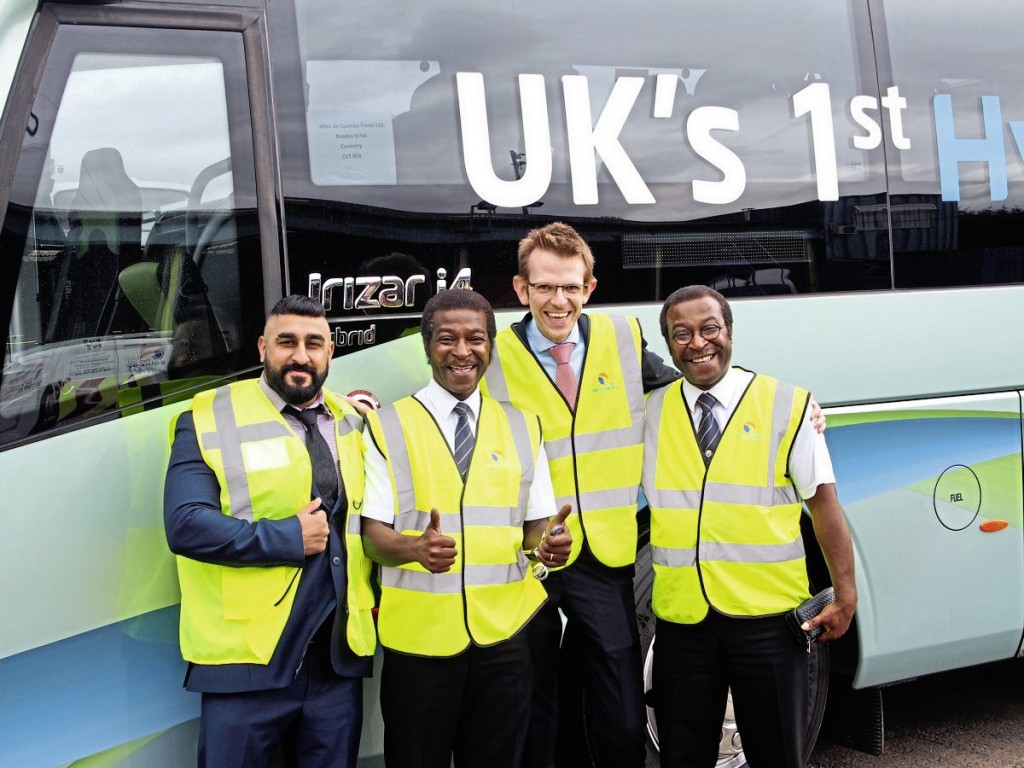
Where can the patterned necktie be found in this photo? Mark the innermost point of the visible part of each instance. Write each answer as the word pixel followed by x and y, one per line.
pixel 464 439
pixel 565 377
pixel 708 433
pixel 325 475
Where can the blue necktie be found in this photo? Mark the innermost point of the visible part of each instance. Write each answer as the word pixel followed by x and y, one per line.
pixel 464 439
pixel 708 433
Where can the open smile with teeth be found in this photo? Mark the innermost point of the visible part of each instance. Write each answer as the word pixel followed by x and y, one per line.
pixel 462 370
pixel 702 359
pixel 557 315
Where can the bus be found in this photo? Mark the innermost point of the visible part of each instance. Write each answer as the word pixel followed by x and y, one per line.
pixel 849 173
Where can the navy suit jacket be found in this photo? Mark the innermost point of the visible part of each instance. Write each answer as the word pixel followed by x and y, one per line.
pixel 197 528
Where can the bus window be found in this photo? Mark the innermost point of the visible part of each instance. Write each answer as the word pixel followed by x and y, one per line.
pixel 683 152
pixel 960 164
pixel 128 286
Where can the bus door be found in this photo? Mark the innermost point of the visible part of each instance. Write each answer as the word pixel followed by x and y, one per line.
pixel 135 225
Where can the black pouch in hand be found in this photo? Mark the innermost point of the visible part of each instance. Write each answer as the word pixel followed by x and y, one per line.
pixel 808 609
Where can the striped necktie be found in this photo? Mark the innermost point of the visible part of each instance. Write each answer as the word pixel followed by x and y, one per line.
pixel 464 439
pixel 708 433
pixel 565 377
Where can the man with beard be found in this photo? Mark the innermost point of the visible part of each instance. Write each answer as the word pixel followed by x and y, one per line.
pixel 276 603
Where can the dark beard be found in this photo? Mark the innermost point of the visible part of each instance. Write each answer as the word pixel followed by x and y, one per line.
pixel 291 394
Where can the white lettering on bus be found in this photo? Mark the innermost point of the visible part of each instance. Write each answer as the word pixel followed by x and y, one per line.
pixel 591 143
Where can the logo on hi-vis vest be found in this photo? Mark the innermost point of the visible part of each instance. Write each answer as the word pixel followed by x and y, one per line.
pixel 749 431
pixel 605 383
pixel 496 463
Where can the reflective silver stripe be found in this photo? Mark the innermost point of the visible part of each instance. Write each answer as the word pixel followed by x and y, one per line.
pixel 417 519
pixel 558 449
pixel 355 525
pixel 417 581
pixel 351 423
pixel 228 437
pixel 521 439
pixel 752 553
pixel 632 374
pixel 493 516
pixel 588 442
pixel 782 407
pixel 570 499
pixel 401 469
pixel 494 575
pixel 667 499
pixel 728 553
pixel 608 499
pixel 726 493
pixel 675 558
pixel 655 405
pixel 451 583
pixel 723 493
pixel 497 387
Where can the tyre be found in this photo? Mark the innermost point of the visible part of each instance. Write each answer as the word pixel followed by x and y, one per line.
pixel 731 746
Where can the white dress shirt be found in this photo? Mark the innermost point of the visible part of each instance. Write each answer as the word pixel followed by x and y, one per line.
pixel 810 464
pixel 378 496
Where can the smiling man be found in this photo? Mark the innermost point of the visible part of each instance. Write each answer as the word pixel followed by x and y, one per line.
pixel 728 457
pixel 457 493
pixel 585 376
pixel 260 503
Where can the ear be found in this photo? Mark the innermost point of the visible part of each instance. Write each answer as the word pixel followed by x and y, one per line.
pixel 589 289
pixel 522 289
pixel 261 345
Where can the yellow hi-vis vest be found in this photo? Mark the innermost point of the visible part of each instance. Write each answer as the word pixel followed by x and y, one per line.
pixel 232 615
pixel 595 453
pixel 727 536
pixel 490 592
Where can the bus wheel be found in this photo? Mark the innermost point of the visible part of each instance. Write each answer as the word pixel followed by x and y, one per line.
pixel 730 750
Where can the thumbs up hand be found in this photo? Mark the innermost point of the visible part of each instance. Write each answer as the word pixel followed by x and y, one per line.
pixel 556 543
pixel 435 551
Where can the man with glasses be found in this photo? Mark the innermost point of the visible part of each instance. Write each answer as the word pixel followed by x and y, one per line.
pixel 728 456
pixel 585 376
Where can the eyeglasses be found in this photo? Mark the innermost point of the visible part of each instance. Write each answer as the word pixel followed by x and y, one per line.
pixel 684 336
pixel 547 289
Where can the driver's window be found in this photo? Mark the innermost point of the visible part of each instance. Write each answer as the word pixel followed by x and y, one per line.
pixel 129 280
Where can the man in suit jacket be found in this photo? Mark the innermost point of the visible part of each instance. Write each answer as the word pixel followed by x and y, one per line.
pixel 276 624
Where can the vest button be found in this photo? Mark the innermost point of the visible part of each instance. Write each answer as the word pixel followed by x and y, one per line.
pixel 335 561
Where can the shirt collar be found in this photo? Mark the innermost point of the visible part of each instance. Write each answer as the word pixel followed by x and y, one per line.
pixel 725 391
pixel 279 402
pixel 540 343
pixel 444 401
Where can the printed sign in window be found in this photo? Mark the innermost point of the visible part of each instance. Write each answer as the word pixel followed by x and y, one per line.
pixel 349 124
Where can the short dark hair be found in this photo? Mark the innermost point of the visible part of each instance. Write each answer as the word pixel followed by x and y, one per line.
pixel 455 298
pixel 689 293
pixel 297 304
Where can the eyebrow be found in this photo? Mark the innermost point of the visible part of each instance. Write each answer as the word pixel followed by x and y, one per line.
pixel 287 335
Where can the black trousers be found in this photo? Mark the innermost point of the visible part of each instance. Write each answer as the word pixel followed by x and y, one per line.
pixel 314 722
pixel 473 706
pixel 695 665
pixel 596 662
